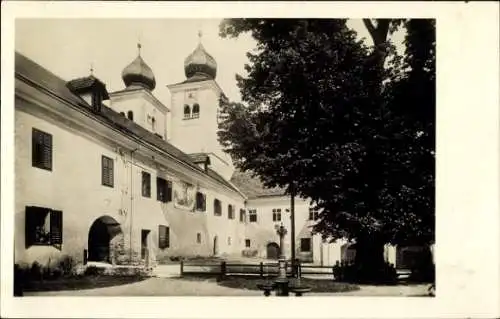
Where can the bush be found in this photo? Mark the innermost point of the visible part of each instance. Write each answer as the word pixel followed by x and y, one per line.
pixel 36 272
pixel 66 265
pixel 349 272
pixel 91 271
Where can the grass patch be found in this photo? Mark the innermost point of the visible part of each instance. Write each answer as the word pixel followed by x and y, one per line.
pixel 80 282
pixel 250 283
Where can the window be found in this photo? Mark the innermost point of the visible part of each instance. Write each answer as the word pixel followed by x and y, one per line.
pixel 163 190
pixel 230 212
pixel 217 207
pixel 107 175
pixel 43 227
pixel 198 238
pixel 153 123
pixel 41 152
pixel 247 243
pixel 122 114
pixel 163 237
pixel 201 202
pixel 252 215
pixel 130 115
pixel 187 111
pixel 146 184
pixel 313 214
pixel 229 241
pixel 196 111
pixel 305 244
pixel 276 214
pixel 242 215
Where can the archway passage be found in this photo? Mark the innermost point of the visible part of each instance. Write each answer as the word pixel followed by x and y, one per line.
pixel 101 233
pixel 273 251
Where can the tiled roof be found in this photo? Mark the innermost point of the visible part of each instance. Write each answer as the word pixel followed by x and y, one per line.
pixel 30 70
pixel 82 84
pixel 252 187
pixel 199 157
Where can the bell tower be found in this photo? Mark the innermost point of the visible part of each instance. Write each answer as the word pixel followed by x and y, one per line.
pixel 195 111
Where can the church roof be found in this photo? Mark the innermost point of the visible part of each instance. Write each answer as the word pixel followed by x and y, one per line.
pixel 138 74
pixel 45 80
pixel 252 187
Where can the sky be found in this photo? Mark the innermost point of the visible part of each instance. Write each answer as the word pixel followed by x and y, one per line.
pixel 70 47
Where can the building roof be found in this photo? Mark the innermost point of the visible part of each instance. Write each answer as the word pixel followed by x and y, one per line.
pixel 46 80
pixel 252 187
pixel 86 84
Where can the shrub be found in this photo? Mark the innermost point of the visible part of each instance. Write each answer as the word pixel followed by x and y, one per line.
pixel 36 272
pixel 91 271
pixel 66 265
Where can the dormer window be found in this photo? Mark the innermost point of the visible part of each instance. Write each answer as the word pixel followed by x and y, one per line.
pixel 196 111
pixel 187 112
pixel 90 89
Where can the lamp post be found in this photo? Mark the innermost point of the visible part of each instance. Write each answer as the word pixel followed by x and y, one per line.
pixel 292 226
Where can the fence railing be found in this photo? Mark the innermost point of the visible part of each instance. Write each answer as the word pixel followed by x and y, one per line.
pixel 261 269
pixel 258 269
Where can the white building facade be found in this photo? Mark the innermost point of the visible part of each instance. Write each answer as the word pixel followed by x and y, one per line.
pixel 129 183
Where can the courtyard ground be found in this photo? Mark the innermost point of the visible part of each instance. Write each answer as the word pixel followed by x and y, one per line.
pixel 161 286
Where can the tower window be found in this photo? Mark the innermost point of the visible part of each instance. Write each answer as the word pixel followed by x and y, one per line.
pixel 187 111
pixel 196 111
pixel 130 115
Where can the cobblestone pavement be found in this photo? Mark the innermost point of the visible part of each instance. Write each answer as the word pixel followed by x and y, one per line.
pixel 174 287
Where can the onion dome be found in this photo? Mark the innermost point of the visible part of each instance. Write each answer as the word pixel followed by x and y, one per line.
pixel 200 64
pixel 138 74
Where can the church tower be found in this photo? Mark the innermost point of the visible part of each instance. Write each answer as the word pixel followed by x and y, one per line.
pixel 137 102
pixel 195 111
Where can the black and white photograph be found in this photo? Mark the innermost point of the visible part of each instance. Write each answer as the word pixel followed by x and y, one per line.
pixel 225 156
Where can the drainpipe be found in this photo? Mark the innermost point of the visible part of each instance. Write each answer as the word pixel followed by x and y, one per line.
pixel 131 200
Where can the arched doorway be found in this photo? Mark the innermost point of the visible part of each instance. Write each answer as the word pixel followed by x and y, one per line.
pixel 101 234
pixel 216 246
pixel 348 253
pixel 273 251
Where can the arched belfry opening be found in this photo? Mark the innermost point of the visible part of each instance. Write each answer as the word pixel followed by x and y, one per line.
pixel 105 237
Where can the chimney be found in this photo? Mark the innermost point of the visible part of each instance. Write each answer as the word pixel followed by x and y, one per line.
pixel 90 89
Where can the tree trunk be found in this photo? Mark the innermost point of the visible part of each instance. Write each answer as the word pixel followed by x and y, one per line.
pixel 369 261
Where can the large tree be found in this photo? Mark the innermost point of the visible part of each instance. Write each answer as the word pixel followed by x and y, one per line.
pixel 323 115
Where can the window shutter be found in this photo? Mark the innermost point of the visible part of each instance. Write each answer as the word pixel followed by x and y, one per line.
pixel 30 225
pixel 47 151
pixel 169 191
pixel 56 231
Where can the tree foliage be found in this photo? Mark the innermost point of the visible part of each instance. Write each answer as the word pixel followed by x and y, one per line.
pixel 323 114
